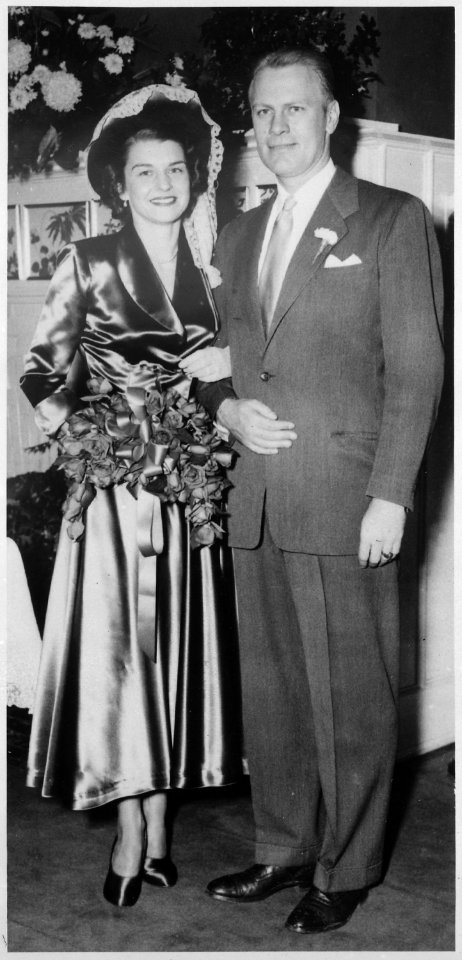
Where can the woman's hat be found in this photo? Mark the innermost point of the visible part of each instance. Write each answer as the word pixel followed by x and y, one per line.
pixel 201 226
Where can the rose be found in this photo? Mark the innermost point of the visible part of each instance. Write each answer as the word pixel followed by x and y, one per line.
pixel 172 419
pixel 73 468
pixel 102 473
pixel 78 426
pixel 194 476
pixel 119 403
pixel 223 457
pixel 97 446
pixel 71 446
pixel 204 535
pixel 75 530
pixel 212 467
pixel 174 484
pixel 98 385
pixel 199 512
pixel 199 419
pixel 154 402
pixel 72 508
pixel 82 492
pixel 161 436
pixel 187 407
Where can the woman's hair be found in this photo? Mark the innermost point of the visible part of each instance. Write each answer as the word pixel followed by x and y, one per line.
pixel 161 120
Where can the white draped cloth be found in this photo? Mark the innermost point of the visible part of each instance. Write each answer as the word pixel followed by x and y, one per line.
pixel 23 638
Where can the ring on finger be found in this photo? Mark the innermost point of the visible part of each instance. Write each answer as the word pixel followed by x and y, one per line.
pixel 387 556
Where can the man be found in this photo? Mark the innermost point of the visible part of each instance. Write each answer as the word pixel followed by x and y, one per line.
pixel 331 308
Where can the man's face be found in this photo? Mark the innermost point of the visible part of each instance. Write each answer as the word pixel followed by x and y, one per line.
pixel 292 122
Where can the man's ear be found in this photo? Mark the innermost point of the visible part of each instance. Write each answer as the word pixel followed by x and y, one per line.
pixel 332 116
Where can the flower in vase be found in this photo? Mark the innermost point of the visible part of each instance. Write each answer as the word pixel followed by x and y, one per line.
pixel 113 63
pixel 62 91
pixel 19 56
pixel 125 44
pixel 87 31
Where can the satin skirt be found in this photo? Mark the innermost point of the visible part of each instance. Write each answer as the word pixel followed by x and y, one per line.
pixel 108 721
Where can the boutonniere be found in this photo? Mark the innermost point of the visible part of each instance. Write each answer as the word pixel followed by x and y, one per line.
pixel 327 237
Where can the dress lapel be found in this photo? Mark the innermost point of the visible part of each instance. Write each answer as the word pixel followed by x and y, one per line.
pixel 336 204
pixel 142 282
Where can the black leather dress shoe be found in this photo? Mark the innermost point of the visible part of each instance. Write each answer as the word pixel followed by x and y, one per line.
pixel 319 911
pixel 258 882
pixel 121 891
pixel 160 872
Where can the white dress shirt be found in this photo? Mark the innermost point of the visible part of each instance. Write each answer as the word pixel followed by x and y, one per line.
pixel 307 197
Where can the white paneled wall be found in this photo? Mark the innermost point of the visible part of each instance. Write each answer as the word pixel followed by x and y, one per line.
pixel 422 166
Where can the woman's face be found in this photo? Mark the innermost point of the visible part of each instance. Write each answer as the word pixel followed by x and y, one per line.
pixel 156 181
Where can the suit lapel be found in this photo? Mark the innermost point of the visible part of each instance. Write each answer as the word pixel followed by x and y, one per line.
pixel 336 204
pixel 142 282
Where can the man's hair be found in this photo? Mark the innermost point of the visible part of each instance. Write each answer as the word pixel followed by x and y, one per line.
pixel 308 57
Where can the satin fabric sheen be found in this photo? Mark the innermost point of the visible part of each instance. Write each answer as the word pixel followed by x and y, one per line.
pixel 108 721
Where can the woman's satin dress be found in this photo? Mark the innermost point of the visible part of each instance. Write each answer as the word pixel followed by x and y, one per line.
pixel 108 721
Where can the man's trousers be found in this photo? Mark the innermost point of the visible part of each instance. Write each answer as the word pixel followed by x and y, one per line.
pixel 319 641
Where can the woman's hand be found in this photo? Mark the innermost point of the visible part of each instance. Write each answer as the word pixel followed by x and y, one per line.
pixel 208 364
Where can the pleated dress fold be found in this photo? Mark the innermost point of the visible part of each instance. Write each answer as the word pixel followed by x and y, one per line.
pixel 108 721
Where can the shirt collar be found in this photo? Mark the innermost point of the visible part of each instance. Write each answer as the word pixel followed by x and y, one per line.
pixel 313 187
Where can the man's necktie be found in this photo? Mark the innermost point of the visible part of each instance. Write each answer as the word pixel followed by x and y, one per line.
pixel 274 267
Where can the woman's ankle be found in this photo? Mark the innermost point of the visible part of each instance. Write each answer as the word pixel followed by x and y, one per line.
pixel 154 810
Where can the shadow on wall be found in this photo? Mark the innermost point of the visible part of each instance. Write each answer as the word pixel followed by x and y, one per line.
pixel 344 143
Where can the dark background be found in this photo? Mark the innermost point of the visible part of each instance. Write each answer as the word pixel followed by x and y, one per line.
pixel 415 64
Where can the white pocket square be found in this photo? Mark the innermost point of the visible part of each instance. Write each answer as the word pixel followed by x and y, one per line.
pixel 333 261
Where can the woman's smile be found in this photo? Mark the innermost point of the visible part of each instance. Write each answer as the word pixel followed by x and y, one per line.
pixel 156 181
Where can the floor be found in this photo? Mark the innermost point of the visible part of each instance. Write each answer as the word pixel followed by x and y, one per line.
pixel 57 861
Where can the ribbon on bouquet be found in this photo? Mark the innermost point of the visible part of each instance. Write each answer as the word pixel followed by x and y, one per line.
pixel 154 460
pixel 142 450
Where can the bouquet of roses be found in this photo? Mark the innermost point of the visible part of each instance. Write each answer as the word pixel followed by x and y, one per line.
pixel 151 439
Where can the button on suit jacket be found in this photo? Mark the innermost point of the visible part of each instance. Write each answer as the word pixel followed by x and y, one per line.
pixel 354 358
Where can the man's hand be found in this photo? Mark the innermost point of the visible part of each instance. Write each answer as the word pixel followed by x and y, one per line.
pixel 382 530
pixel 255 425
pixel 209 364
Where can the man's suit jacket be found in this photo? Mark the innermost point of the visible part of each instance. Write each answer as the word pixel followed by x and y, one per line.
pixel 353 357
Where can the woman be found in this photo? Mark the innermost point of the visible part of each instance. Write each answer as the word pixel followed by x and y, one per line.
pixel 109 723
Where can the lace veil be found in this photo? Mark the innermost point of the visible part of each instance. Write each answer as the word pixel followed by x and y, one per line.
pixel 201 226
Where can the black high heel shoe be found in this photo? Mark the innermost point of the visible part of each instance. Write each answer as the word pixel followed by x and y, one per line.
pixel 122 891
pixel 160 872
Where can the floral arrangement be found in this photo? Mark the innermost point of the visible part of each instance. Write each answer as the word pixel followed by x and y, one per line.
pixel 153 440
pixel 233 42
pixel 67 66
pixel 64 71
